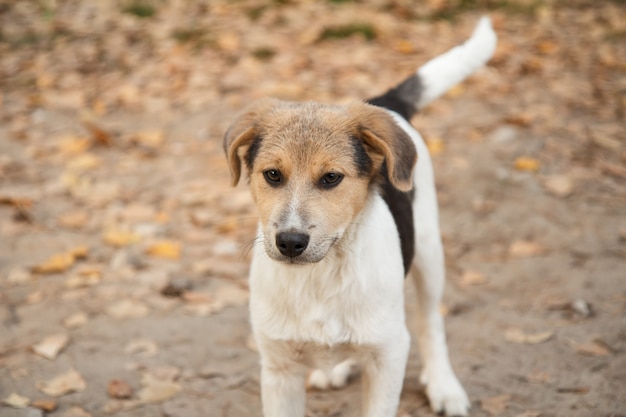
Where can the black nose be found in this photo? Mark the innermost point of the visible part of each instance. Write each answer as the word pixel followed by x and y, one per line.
pixel 292 244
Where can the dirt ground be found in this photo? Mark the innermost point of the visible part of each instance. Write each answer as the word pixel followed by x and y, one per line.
pixel 124 252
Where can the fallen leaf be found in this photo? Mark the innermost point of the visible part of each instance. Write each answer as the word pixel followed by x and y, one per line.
pixel 519 336
pixel 435 145
pixel 120 389
pixel 524 163
pixel 472 278
pixel 559 185
pixel 127 309
pixel 45 404
pixel 55 264
pixel 98 134
pixel 51 346
pixel 573 390
pixel 75 320
pixel 148 138
pixel 76 411
pixel 525 248
pixel 79 252
pixel 495 405
pixel 68 382
pixel 16 401
pixel 119 238
pixel 594 348
pixel 72 145
pixel 156 391
pixel 165 249
pixel 73 219
pixel 84 162
pixel 143 347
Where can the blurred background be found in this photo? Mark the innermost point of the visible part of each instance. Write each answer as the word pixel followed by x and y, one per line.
pixel 124 251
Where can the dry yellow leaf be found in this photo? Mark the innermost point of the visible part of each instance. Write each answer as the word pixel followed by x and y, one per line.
pixel 84 162
pixel 148 138
pixel 495 405
pixel 525 163
pixel 519 336
pixel 70 381
pixel 72 145
pixel 56 263
pixel 165 249
pixel 79 252
pixel 120 238
pixel 594 348
pixel 405 47
pixel 435 145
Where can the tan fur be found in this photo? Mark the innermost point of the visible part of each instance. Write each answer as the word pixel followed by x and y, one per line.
pixel 305 141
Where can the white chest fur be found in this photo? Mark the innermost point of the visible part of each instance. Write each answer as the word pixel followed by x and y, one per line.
pixel 352 296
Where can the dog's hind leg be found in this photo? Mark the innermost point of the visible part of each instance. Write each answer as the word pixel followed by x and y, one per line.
pixel 444 391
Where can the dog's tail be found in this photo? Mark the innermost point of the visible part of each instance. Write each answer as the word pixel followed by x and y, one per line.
pixel 441 73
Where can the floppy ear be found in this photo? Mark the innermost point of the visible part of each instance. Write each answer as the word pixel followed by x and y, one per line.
pixel 388 142
pixel 242 134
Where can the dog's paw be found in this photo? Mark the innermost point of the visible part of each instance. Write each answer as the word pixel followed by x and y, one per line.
pixel 445 394
pixel 318 379
pixel 342 372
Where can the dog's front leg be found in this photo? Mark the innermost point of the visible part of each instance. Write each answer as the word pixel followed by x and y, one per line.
pixel 383 376
pixel 282 381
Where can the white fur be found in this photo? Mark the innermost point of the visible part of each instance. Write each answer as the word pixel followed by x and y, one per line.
pixel 349 306
pixel 446 70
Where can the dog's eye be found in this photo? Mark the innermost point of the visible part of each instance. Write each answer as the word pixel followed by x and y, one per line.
pixel 330 180
pixel 273 176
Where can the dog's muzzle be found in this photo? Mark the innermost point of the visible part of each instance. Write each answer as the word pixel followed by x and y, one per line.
pixel 292 244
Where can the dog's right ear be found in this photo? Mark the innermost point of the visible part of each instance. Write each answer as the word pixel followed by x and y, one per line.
pixel 242 134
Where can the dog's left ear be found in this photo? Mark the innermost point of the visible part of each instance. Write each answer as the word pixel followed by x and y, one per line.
pixel 241 135
pixel 385 139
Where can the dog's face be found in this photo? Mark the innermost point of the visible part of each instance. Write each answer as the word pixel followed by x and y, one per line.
pixel 311 168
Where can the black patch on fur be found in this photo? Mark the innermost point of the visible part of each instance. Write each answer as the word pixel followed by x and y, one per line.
pixel 362 160
pixel 401 208
pixel 253 151
pixel 402 99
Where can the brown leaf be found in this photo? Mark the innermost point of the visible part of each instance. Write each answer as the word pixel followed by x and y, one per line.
pixel 495 405
pixel 73 219
pixel 472 278
pixel 45 404
pixel 594 348
pixel 98 134
pixel 519 336
pixel 120 389
pixel 51 346
pixel 525 248
pixel 68 382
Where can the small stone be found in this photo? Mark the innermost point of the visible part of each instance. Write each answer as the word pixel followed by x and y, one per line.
pixel 176 287
pixel 120 389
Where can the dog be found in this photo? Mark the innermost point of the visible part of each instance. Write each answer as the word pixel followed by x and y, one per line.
pixel 345 213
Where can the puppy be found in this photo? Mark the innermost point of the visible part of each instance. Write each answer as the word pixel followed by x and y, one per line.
pixel 345 213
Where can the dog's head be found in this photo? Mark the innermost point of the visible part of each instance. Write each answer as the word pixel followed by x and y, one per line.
pixel 311 168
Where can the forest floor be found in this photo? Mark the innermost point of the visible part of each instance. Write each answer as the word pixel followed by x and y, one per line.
pixel 124 251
